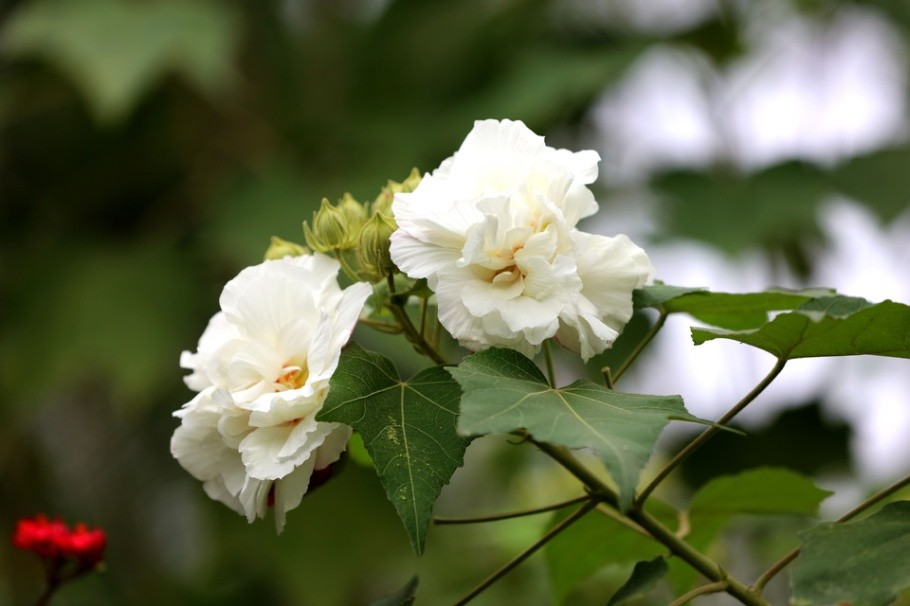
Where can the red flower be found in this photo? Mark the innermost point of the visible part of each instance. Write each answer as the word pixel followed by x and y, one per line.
pixel 53 540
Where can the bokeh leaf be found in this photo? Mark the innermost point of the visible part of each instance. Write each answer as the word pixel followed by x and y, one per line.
pixel 504 391
pixel 864 562
pixel 827 326
pixel 645 577
pixel 115 51
pixel 408 428
pixel 595 541
pixel 403 597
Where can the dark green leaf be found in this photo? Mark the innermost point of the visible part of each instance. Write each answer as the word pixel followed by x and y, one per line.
pixel 504 391
pixel 780 204
pixel 882 329
pixel 408 428
pixel 864 563
pixel 595 541
pixel 403 597
pixel 644 577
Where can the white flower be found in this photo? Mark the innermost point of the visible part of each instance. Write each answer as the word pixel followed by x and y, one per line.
pixel 262 367
pixel 493 232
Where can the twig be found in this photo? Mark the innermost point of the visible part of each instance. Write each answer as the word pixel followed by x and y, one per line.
pixel 514 514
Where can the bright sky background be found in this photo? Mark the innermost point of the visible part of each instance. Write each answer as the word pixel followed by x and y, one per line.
pixel 820 93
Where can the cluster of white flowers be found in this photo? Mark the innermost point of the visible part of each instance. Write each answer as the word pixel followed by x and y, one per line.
pixel 493 230
pixel 262 370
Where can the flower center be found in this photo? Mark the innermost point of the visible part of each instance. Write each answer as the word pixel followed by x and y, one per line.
pixel 293 376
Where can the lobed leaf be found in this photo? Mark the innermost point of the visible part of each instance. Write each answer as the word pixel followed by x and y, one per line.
pixel 863 563
pixel 408 428
pixel 504 391
pixel 827 326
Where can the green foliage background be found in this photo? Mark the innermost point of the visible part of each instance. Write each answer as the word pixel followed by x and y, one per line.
pixel 148 150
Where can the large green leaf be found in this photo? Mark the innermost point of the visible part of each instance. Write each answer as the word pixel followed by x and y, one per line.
pixel 115 51
pixel 760 491
pixel 408 428
pixel 863 563
pixel 504 391
pixel 595 541
pixel 733 311
pixel 827 326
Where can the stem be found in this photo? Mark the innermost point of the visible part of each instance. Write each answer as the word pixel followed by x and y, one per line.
pixel 703 590
pixel 410 332
pixel 782 563
pixel 508 566
pixel 510 515
pixel 548 357
pixel 709 432
pixel 663 535
pixel 641 346
pixel 391 329
pixel 345 266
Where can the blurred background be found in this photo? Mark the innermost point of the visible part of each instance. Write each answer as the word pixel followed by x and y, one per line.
pixel 149 149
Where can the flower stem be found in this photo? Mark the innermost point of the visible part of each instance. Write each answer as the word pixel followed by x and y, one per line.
pixel 661 319
pixel 698 591
pixel 708 433
pixel 513 514
pixel 782 563
pixel 410 331
pixel 663 535
pixel 524 555
pixel 548 358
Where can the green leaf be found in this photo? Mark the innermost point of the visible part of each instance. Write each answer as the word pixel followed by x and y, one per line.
pixel 403 597
pixel 116 51
pixel 595 541
pixel 504 391
pixel 828 326
pixel 644 577
pixel 766 490
pixel 733 311
pixel 408 428
pixel 864 562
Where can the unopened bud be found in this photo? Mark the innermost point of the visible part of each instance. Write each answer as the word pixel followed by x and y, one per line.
pixel 374 245
pixel 330 230
pixel 383 202
pixel 283 248
pixel 354 212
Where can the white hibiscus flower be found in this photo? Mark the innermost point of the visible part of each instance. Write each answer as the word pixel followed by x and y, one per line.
pixel 493 232
pixel 262 367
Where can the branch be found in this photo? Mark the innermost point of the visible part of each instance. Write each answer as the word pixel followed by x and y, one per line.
pixel 709 432
pixel 514 514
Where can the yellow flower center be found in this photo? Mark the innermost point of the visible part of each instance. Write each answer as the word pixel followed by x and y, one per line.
pixel 293 376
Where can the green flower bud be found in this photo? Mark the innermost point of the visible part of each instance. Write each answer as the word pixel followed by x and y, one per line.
pixel 330 230
pixel 383 202
pixel 355 213
pixel 375 258
pixel 283 248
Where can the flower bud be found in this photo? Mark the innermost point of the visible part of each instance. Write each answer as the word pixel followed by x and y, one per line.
pixel 330 230
pixel 355 213
pixel 374 245
pixel 283 248
pixel 383 202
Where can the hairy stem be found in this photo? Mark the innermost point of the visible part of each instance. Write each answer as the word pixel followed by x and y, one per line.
pixel 577 515
pixel 782 563
pixel 640 347
pixel 510 515
pixel 708 433
pixel 700 562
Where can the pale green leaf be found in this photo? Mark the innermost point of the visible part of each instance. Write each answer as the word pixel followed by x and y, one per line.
pixel 408 428
pixel 116 51
pixel 863 563
pixel 827 326
pixel 504 391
